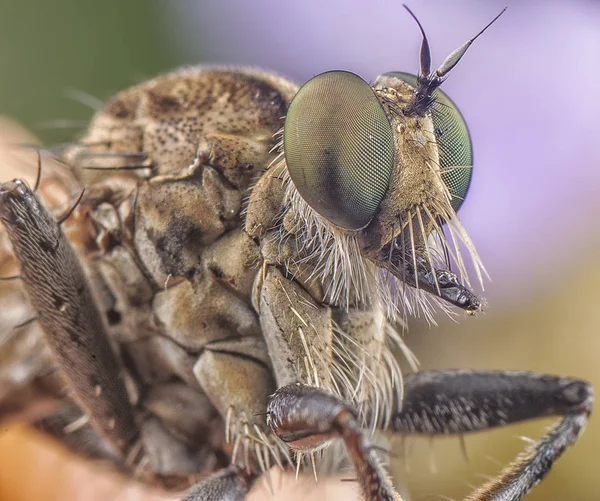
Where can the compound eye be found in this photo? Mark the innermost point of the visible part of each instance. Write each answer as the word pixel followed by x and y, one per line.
pixel 454 142
pixel 339 148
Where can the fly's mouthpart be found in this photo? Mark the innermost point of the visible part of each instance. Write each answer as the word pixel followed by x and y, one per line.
pixel 420 257
pixel 334 257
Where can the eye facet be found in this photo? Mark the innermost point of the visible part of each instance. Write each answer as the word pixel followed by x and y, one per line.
pixel 339 148
pixel 454 142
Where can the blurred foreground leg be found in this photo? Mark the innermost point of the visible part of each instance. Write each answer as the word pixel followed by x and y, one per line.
pixel 58 290
pixel 230 484
pixel 306 418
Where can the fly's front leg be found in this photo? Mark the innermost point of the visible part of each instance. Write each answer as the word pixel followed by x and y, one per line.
pixel 462 401
pixel 299 331
pixel 305 418
pixel 66 311
pixel 302 412
pixel 237 378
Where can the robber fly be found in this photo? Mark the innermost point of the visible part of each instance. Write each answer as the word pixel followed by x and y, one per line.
pixel 223 291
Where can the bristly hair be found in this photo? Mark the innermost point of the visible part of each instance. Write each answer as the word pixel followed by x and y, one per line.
pixel 364 370
pixel 423 98
pixel 332 257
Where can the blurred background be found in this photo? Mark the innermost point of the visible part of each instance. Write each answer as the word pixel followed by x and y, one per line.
pixel 528 89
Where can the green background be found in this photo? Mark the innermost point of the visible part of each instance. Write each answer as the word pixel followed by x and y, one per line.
pixel 50 50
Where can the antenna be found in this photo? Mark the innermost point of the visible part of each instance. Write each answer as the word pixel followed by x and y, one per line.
pixel 452 60
pixel 426 82
pixel 425 55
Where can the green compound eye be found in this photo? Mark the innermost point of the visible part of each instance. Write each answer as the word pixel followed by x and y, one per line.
pixel 454 142
pixel 339 148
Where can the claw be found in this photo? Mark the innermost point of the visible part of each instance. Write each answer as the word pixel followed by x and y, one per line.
pixel 306 418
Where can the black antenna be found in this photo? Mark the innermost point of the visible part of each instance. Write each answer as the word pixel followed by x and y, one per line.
pixel 426 82
pixel 452 60
pixel 425 55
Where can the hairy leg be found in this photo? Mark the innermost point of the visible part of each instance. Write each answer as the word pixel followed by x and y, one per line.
pixel 462 401
pixel 306 417
pixel 66 311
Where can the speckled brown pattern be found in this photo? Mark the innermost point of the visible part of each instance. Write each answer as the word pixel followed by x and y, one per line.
pixel 169 262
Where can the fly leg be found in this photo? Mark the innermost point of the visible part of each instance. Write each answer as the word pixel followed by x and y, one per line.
pixel 299 334
pixel 66 311
pixel 229 484
pixel 237 379
pixel 306 418
pixel 462 401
